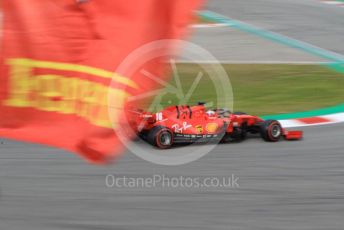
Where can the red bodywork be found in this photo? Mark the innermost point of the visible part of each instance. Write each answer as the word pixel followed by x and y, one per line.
pixel 196 121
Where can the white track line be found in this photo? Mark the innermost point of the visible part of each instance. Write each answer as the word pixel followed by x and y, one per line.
pixel 208 25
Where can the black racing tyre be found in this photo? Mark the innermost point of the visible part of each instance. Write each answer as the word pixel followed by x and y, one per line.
pixel 271 130
pixel 160 137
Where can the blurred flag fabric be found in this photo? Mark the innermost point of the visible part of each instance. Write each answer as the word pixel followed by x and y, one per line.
pixel 58 58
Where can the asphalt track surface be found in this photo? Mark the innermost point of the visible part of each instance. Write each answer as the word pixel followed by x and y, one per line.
pixel 285 185
pixel 230 45
pixel 306 20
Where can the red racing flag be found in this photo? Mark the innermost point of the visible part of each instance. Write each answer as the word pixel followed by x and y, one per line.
pixel 58 59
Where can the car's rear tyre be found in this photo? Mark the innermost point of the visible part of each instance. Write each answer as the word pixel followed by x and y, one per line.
pixel 271 130
pixel 160 137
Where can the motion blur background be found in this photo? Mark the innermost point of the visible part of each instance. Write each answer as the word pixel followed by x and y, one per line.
pixel 287 185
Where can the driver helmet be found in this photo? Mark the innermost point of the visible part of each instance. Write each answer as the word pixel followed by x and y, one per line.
pixel 210 113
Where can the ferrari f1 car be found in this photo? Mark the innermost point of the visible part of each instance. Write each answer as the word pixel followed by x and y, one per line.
pixel 190 124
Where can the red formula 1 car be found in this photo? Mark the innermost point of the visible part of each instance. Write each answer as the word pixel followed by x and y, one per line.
pixel 190 124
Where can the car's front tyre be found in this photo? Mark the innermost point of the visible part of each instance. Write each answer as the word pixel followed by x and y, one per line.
pixel 271 130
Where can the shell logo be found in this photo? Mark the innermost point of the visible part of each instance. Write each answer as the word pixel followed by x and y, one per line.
pixel 211 127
